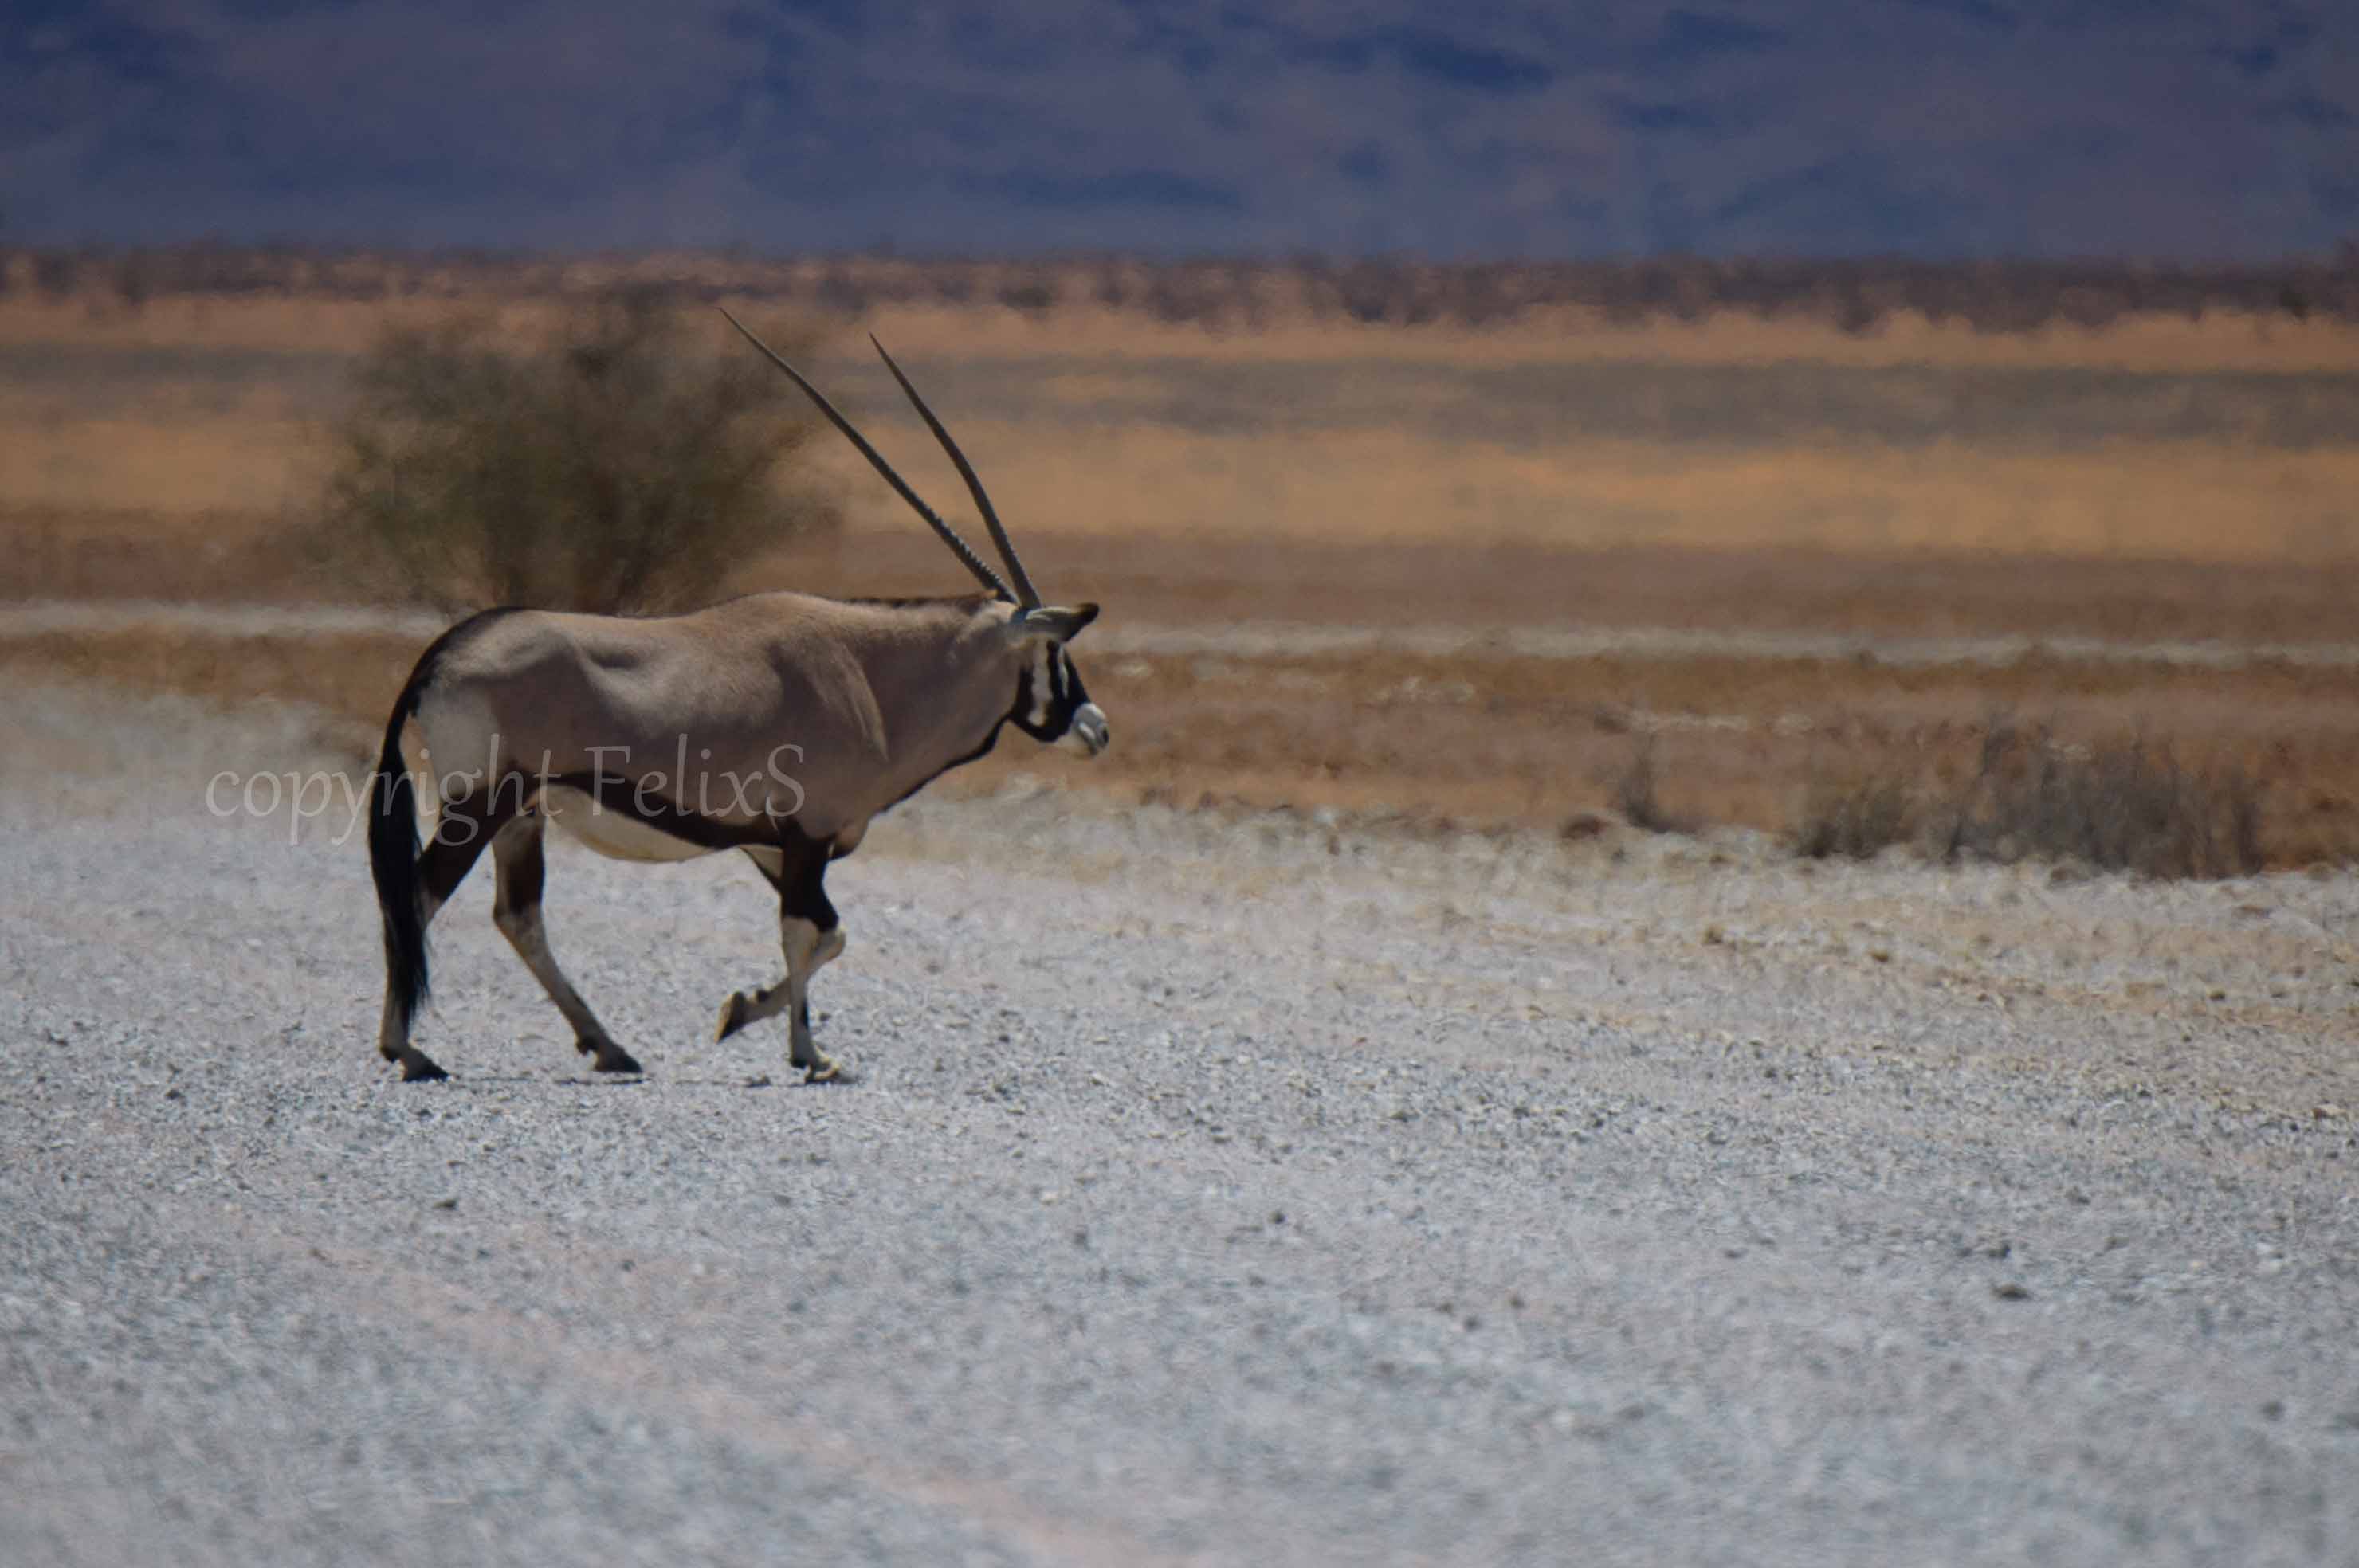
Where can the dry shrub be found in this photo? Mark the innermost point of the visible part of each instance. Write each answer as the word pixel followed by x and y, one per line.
pixel 2123 803
pixel 1857 817
pixel 2120 804
pixel 1634 797
pixel 622 463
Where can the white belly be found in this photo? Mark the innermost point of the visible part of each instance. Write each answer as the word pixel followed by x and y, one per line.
pixel 611 833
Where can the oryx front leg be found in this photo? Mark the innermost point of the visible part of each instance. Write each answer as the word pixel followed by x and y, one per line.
pixel 807 948
pixel 809 937
pixel 744 1009
pixel 517 853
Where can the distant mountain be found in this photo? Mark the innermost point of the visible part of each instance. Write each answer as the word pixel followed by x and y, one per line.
pixel 2172 128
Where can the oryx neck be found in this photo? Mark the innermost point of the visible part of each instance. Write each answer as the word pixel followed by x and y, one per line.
pixel 945 679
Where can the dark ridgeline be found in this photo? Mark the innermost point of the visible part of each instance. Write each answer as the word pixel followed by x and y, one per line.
pixel 1854 294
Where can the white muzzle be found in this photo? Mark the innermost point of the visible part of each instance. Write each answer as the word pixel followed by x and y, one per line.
pixel 1088 728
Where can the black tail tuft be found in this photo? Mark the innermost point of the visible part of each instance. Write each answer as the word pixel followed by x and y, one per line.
pixel 393 859
pixel 393 831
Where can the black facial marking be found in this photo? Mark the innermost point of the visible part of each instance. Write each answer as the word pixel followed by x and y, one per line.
pixel 1066 696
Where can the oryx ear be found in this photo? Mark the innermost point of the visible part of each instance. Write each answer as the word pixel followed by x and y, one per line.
pixel 1056 623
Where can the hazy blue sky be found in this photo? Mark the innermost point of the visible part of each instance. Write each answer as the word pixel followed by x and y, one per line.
pixel 2174 128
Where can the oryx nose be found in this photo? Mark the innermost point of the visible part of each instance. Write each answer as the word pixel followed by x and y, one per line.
pixel 1090 723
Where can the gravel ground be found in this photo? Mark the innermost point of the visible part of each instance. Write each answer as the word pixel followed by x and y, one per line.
pixel 1228 1190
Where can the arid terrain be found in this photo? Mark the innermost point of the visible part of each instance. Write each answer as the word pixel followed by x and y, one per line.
pixel 1217 1187
pixel 1516 563
pixel 1713 934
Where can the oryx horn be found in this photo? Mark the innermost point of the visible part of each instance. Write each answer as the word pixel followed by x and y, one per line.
pixel 959 546
pixel 1028 596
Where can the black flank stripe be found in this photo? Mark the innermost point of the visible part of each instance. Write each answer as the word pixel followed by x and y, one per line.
pixel 623 796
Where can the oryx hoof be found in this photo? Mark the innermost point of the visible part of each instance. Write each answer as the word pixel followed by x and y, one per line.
pixel 605 1056
pixel 826 1070
pixel 733 1017
pixel 417 1067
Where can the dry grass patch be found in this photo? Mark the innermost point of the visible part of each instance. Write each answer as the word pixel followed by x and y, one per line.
pixel 2114 804
pixel 1538 743
pixel 2157 479
pixel 2211 440
pixel 2190 501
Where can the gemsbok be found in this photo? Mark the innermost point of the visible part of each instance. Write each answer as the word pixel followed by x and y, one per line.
pixel 779 724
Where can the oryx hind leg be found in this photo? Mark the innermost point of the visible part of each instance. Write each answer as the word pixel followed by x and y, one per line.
pixel 516 852
pixel 811 937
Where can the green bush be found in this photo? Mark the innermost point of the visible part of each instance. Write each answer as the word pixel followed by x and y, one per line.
pixel 634 458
